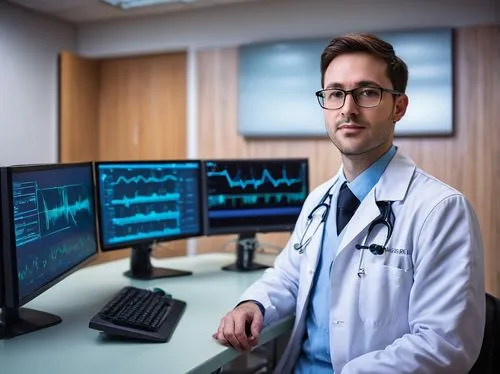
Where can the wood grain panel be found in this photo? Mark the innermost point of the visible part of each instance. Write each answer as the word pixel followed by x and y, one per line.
pixel 78 108
pixel 143 108
pixel 143 115
pixel 468 161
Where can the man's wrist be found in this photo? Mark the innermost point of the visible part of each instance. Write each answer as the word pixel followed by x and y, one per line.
pixel 259 305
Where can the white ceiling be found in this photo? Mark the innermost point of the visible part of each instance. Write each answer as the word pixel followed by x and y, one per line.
pixel 81 11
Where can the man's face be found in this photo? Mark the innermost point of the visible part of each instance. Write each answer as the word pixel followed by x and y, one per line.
pixel 355 130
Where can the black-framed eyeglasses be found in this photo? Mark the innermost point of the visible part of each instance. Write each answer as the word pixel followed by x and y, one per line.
pixel 365 97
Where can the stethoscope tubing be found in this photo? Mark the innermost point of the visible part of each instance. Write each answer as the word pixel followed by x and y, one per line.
pixel 302 244
pixel 386 218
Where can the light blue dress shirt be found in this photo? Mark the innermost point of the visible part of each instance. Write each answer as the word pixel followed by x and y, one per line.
pixel 315 354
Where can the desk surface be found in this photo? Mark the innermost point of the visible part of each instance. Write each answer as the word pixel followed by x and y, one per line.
pixel 72 347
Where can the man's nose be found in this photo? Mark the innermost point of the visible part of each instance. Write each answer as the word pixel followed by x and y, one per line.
pixel 350 107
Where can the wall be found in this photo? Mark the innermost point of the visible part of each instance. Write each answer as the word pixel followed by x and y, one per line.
pixel 276 19
pixel 29 47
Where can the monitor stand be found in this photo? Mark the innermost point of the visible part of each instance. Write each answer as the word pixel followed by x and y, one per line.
pixel 141 268
pixel 19 321
pixel 245 252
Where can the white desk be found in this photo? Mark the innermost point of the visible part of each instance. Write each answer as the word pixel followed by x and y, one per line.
pixel 72 347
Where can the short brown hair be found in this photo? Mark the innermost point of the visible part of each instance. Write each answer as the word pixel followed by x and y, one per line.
pixel 397 71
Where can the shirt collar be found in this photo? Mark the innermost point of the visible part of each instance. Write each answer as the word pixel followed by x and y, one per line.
pixel 364 182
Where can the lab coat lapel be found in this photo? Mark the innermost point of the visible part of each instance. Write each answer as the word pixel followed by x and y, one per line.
pixel 392 186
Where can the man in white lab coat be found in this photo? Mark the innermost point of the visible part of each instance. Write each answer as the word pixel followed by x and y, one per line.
pixel 402 295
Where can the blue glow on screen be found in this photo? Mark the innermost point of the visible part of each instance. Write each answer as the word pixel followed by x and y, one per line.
pixel 145 202
pixel 54 223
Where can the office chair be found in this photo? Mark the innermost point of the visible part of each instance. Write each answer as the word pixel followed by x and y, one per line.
pixel 488 361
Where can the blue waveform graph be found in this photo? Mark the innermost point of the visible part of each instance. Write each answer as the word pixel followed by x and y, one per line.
pixel 143 179
pixel 147 201
pixel 235 200
pixel 264 195
pixel 54 223
pixel 60 207
pixel 39 212
pixel 151 216
pixel 266 177
pixel 147 233
pixel 234 185
pixel 35 269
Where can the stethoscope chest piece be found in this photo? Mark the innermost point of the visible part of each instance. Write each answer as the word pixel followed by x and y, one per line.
pixel 386 218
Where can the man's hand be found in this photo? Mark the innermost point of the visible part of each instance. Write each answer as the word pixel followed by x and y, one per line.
pixel 240 328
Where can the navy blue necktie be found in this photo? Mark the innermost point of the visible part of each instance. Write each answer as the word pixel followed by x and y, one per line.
pixel 347 203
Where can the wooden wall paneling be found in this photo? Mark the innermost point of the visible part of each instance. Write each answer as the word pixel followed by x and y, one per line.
pixel 143 115
pixel 78 108
pixel 468 161
pixel 143 108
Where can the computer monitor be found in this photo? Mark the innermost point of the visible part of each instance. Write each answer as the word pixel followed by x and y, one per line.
pixel 49 231
pixel 144 202
pixel 250 196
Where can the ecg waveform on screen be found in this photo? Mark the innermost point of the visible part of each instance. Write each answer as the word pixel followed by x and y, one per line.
pixel 57 259
pixel 147 202
pixel 143 179
pixel 60 210
pixel 153 198
pixel 40 212
pixel 255 185
pixel 266 177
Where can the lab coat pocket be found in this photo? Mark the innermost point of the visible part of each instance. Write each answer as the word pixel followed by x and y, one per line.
pixel 384 294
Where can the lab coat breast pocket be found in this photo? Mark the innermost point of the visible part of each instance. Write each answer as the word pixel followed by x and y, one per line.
pixel 384 294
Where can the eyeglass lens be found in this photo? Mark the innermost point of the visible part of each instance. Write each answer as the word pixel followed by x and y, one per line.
pixel 366 97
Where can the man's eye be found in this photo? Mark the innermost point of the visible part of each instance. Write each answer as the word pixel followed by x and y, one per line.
pixel 335 95
pixel 368 92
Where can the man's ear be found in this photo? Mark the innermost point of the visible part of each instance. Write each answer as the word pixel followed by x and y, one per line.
pixel 400 108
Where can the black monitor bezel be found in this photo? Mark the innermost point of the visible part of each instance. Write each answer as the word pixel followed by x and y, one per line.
pixel 12 298
pixel 248 229
pixel 107 248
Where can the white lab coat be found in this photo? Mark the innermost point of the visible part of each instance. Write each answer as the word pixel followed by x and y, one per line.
pixel 420 307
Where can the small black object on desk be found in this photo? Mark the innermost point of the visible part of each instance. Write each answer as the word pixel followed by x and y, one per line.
pixel 245 253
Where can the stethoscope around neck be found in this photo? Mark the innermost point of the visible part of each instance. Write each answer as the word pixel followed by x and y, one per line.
pixel 386 218
pixel 324 203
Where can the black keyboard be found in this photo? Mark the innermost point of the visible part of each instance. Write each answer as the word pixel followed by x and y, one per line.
pixel 140 314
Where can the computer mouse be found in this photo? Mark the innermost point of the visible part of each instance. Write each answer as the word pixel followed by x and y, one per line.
pixel 161 292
